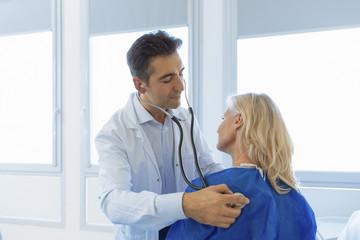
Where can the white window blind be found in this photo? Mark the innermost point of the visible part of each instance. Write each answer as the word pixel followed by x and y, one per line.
pixel 263 17
pixel 24 16
pixel 116 16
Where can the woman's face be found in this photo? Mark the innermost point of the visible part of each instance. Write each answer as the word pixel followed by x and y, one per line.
pixel 227 133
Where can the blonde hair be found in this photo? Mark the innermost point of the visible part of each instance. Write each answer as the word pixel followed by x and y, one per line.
pixel 264 137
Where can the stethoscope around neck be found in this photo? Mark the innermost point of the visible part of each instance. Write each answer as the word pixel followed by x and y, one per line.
pixel 177 121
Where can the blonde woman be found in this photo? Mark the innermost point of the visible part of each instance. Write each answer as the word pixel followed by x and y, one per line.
pixel 254 134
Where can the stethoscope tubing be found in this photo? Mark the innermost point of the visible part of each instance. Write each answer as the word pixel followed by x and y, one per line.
pixel 194 152
pixel 176 120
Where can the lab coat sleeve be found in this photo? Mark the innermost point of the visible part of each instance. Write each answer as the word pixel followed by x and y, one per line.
pixel 119 202
pixel 146 209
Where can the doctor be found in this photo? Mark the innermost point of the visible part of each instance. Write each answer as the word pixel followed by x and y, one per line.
pixel 141 183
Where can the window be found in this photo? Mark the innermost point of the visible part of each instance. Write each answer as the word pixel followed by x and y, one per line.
pixel 111 81
pixel 26 98
pixel 30 85
pixel 314 79
pixel 305 60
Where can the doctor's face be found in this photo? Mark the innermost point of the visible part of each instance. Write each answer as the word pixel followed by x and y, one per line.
pixel 166 81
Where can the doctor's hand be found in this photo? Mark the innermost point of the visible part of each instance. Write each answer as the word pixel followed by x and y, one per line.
pixel 213 206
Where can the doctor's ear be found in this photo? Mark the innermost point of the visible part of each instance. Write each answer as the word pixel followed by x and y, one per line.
pixel 138 85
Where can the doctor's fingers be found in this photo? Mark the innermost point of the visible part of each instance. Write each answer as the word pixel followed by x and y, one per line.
pixel 234 200
pixel 227 195
pixel 230 211
pixel 222 221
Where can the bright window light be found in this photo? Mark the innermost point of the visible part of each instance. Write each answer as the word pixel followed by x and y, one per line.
pixel 111 81
pixel 26 94
pixel 314 78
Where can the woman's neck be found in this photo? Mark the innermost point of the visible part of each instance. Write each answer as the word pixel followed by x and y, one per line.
pixel 242 158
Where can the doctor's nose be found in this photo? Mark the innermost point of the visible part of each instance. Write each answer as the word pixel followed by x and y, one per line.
pixel 179 84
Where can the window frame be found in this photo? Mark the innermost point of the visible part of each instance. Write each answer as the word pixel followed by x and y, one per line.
pixel 56 165
pixel 55 168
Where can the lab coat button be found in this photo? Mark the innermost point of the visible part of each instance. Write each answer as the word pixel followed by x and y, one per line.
pixel 158 179
pixel 177 165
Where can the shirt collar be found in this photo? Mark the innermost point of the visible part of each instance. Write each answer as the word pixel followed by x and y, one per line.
pixel 142 114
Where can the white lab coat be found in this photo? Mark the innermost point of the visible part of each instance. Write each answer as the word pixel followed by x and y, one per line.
pixel 130 177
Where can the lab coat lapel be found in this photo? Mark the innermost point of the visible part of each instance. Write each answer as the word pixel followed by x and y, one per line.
pixel 140 134
pixel 148 149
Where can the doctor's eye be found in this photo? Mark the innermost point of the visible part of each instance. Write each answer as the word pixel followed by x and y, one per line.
pixel 167 80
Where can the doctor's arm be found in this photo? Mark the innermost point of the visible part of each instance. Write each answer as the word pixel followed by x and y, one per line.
pixel 120 203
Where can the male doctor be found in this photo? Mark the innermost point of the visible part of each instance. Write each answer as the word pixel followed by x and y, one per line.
pixel 141 183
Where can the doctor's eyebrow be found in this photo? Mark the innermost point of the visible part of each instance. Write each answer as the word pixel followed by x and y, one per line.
pixel 170 74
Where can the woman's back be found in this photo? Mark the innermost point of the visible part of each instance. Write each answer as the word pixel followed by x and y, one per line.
pixel 269 215
pixel 295 215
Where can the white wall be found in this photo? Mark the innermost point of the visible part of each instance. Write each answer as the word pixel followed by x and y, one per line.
pixel 212 71
pixel 217 64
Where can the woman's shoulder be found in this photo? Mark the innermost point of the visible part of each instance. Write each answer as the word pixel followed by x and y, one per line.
pixel 237 179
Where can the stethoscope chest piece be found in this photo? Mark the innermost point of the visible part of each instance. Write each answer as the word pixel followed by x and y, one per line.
pixel 238 204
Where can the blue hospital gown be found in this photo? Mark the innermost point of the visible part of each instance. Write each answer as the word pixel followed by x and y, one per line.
pixel 268 216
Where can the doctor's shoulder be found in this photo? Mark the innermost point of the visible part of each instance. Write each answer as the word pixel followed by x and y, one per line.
pixel 117 123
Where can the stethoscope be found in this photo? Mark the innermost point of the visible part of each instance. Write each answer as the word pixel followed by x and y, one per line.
pixel 177 121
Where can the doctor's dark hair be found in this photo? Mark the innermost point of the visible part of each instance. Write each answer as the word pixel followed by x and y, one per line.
pixel 264 137
pixel 148 46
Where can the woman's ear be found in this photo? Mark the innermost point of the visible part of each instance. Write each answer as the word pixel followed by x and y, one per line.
pixel 238 121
